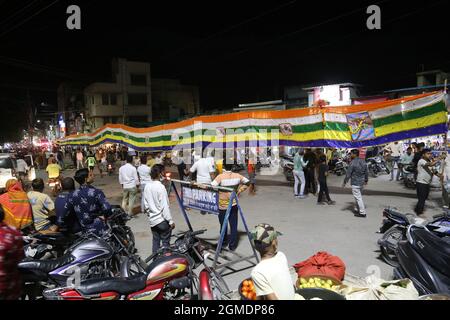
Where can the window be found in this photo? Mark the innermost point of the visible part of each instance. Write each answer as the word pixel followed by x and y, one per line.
pixel 137 99
pixel 113 99
pixel 105 99
pixel 92 100
pixel 138 79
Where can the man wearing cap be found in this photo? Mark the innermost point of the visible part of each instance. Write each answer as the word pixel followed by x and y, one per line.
pixel 271 276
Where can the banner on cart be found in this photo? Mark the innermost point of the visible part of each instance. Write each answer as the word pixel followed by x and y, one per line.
pixel 200 199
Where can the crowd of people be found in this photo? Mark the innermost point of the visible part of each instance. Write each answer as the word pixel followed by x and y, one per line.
pixel 82 209
pixel 311 168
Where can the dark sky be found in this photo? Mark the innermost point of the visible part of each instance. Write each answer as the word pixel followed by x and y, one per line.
pixel 236 51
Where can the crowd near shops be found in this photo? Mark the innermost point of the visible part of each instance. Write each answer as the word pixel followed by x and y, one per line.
pixel 26 208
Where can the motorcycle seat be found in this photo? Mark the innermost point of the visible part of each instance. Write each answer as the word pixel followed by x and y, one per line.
pixel 434 249
pixel 405 217
pixel 45 265
pixel 119 285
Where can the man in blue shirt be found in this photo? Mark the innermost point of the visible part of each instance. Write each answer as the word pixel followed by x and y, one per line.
pixel 89 203
pixel 65 218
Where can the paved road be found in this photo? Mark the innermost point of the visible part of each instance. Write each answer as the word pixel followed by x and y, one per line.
pixel 307 228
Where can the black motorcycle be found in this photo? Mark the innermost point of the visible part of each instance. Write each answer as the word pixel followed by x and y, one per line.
pixel 90 256
pixel 424 257
pixel 377 166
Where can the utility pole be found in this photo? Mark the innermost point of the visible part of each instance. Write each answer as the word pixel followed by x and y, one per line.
pixel 30 117
pixel 123 89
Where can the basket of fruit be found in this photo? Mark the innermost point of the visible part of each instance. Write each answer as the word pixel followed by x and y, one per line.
pixel 247 290
pixel 319 286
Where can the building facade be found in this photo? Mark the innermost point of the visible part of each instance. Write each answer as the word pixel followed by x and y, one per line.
pixel 172 100
pixel 127 99
pixel 71 108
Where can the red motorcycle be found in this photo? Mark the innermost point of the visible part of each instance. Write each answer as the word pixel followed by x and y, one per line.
pixel 170 276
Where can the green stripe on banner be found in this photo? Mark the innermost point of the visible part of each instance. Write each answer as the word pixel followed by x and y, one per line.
pixel 410 115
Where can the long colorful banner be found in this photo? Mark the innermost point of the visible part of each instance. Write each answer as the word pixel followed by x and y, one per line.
pixel 342 127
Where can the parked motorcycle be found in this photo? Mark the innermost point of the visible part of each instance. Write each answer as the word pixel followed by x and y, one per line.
pixel 47 246
pixel 287 163
pixel 170 276
pixel 424 258
pixel 409 176
pixel 88 257
pixel 340 167
pixel 394 227
pixel 376 166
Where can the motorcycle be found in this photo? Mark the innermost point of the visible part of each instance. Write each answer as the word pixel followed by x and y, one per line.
pixel 170 276
pixel 55 185
pixel 89 257
pixel 287 163
pixel 409 176
pixel 377 165
pixel 424 258
pixel 340 167
pixel 47 246
pixel 394 227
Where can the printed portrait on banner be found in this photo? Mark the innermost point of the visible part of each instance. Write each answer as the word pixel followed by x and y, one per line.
pixel 361 126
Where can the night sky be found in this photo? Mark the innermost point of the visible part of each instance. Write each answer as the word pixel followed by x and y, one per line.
pixel 235 51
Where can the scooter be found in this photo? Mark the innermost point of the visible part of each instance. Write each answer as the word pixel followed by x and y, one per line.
pixel 394 228
pixel 424 257
pixel 170 276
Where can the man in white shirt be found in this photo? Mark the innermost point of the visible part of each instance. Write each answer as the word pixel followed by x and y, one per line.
pixel 156 204
pixel 445 180
pixel 22 168
pixel 129 180
pixel 144 177
pixel 424 177
pixel 271 275
pixel 205 170
pixel 159 159
pixel 395 150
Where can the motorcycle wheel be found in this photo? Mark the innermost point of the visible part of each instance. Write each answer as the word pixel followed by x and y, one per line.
pixel 373 174
pixel 392 236
pixel 410 184
pixel 218 286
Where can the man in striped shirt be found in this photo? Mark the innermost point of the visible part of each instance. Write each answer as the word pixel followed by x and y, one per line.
pixel 239 183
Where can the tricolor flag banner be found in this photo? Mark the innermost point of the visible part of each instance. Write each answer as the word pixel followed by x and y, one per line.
pixel 341 127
